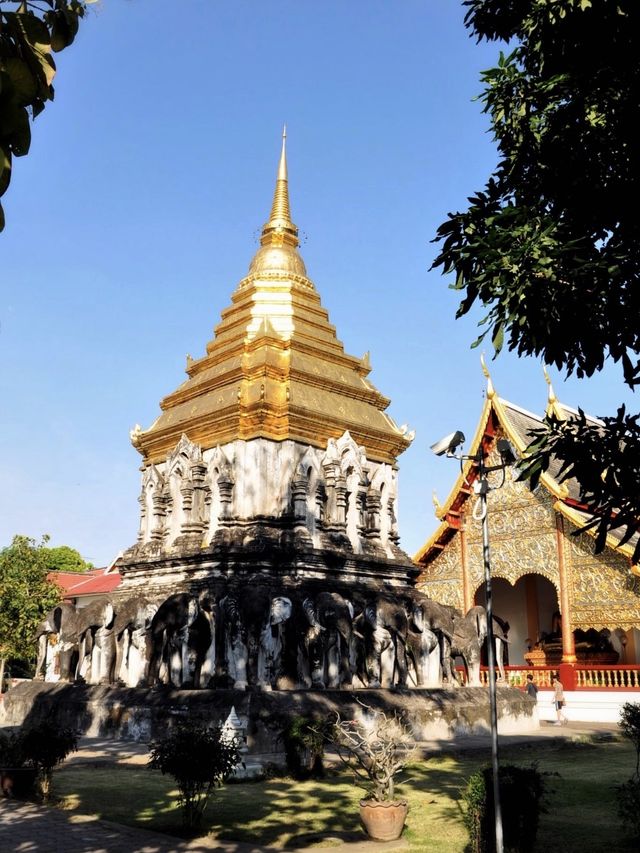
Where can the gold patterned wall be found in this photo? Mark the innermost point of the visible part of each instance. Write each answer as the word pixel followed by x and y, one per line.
pixel 522 534
pixel 444 583
pixel 604 593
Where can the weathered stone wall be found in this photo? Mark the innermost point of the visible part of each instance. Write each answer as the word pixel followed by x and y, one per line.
pixel 140 714
pixel 194 495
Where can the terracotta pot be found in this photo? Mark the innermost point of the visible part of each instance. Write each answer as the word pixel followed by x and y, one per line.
pixel 383 821
pixel 17 781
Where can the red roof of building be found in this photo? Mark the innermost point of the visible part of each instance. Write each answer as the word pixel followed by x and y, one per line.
pixel 93 582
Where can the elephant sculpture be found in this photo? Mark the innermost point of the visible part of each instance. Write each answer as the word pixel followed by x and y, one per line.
pixel 253 630
pixel 470 632
pixel 328 640
pixel 60 622
pixel 428 618
pixel 131 627
pixel 96 642
pixel 383 627
pixel 182 641
pixel 423 645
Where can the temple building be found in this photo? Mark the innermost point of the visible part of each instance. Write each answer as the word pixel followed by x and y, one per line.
pixel 276 452
pixel 564 603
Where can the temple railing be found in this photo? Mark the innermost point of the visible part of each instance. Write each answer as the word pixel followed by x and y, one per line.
pixel 608 677
pixel 625 677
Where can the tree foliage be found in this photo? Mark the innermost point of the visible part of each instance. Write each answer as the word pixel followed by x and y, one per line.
pixel 25 596
pixel 29 33
pixel 550 247
pixel 66 559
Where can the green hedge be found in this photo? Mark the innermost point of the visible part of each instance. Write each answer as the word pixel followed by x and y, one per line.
pixel 521 797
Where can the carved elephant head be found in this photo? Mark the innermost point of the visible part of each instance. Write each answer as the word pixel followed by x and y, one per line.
pixel 383 626
pixel 170 637
pixel 96 640
pixel 328 640
pixel 252 628
pixel 59 625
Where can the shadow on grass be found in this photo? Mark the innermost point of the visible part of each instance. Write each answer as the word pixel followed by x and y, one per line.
pixel 276 811
pixel 279 811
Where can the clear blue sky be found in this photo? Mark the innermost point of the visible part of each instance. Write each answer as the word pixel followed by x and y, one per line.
pixel 134 216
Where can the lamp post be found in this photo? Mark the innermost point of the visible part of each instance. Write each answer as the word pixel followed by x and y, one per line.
pixel 447 447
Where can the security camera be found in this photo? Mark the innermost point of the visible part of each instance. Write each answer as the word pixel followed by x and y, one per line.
pixel 447 446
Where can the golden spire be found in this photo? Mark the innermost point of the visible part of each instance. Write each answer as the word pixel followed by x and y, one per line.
pixel 491 392
pixel 280 229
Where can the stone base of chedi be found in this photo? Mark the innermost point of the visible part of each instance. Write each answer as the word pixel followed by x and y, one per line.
pixel 136 714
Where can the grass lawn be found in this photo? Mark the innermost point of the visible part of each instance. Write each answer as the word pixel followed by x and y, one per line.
pixel 581 801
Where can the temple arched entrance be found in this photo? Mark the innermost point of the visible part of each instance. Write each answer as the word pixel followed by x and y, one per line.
pixel 530 607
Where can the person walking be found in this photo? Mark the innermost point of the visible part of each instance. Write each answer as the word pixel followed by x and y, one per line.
pixel 531 688
pixel 558 698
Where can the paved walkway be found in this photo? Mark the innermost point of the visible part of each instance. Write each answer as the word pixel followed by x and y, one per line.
pixel 30 828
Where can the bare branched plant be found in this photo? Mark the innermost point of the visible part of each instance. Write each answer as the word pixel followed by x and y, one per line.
pixel 376 747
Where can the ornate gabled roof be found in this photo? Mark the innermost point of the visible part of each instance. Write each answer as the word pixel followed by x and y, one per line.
pixel 275 367
pixel 517 424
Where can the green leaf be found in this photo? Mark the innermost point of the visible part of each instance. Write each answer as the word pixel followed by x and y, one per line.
pixel 24 85
pixel 5 169
pixel 64 27
pixel 498 337
pixel 16 130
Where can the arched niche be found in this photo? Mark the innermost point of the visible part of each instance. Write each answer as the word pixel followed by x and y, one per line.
pixel 528 606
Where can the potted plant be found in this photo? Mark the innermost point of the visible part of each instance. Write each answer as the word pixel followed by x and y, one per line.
pixel 377 747
pixel 16 779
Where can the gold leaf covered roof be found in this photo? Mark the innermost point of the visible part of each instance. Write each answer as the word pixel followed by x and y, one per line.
pixel 516 424
pixel 275 367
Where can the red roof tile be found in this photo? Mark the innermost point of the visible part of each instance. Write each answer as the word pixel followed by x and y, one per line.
pixel 93 582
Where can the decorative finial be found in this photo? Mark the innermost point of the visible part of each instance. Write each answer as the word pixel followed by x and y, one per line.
pixel 491 392
pixel 282 165
pixel 436 503
pixel 280 229
pixel 552 394
pixel 135 434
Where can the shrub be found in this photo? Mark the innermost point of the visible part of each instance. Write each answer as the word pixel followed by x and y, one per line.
pixel 304 740
pixel 521 795
pixel 44 746
pixel 628 794
pixel 198 758
pixel 11 752
pixel 630 727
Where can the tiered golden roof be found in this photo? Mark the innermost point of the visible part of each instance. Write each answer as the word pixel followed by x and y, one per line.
pixel 275 367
